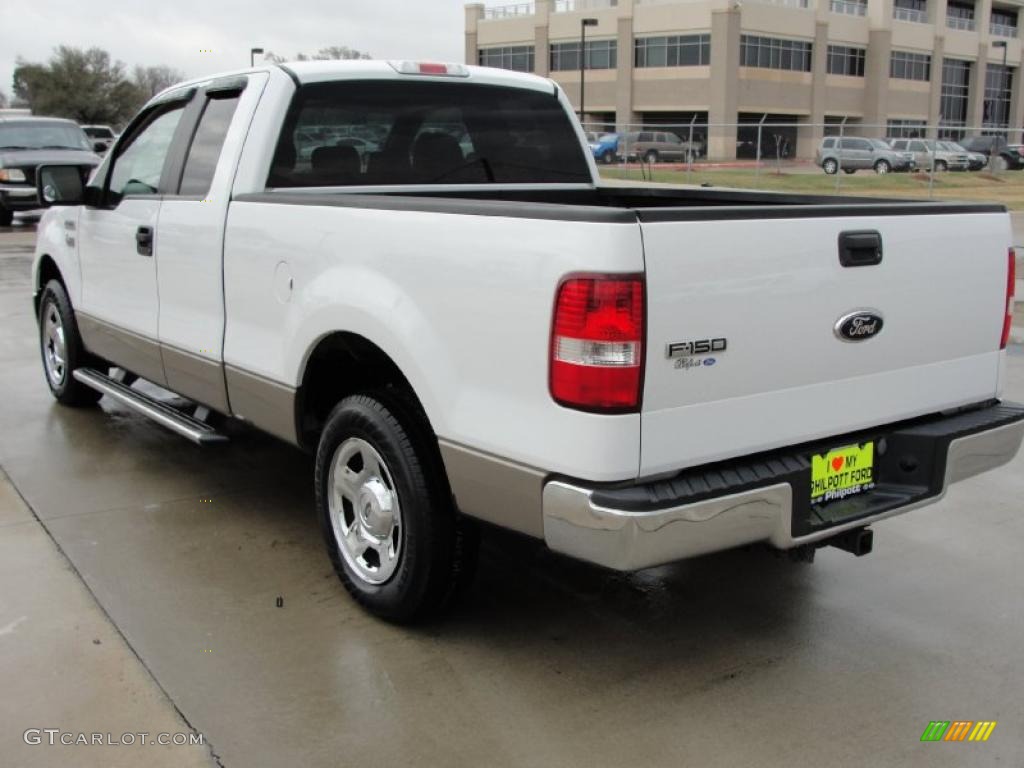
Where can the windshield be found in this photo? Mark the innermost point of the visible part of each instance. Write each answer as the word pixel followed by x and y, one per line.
pixel 425 133
pixel 30 134
pixel 98 133
pixel 952 146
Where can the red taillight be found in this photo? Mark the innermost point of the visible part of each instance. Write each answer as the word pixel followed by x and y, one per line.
pixel 597 343
pixel 1011 279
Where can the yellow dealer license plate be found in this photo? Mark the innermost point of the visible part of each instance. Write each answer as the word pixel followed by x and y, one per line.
pixel 842 472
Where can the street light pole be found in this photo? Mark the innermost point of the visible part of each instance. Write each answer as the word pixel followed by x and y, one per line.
pixel 584 23
pixel 252 55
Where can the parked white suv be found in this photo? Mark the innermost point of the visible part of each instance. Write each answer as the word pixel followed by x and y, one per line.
pixel 470 328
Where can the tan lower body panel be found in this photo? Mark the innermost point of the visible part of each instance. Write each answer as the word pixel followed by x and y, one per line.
pixel 265 404
pixel 123 348
pixel 495 490
pixel 196 378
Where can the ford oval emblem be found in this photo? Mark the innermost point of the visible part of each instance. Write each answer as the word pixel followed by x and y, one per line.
pixel 861 325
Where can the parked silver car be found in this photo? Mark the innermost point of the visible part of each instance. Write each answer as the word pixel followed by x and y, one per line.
pixel 852 154
pixel 928 151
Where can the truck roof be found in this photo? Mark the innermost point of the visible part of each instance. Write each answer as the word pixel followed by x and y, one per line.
pixel 364 69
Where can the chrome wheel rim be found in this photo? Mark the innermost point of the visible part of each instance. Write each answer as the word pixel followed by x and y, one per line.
pixel 366 515
pixel 54 345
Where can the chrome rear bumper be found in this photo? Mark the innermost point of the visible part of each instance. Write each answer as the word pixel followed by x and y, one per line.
pixel 627 540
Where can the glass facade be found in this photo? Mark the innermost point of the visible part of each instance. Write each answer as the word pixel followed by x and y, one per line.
pixel 996 107
pixel 601 54
pixel 775 53
pixel 844 60
pixel 910 66
pixel 956 82
pixel 519 58
pixel 673 51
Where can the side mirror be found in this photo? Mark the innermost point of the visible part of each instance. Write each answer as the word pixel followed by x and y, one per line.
pixel 60 185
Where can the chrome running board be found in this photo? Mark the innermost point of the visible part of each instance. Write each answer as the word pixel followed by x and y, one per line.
pixel 181 423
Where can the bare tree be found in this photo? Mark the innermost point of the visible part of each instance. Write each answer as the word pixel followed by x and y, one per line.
pixel 151 80
pixel 3 99
pixel 330 53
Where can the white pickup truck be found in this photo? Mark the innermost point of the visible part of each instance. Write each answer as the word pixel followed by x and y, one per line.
pixel 412 270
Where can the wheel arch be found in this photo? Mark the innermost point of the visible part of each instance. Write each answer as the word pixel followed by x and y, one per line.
pixel 343 363
pixel 46 270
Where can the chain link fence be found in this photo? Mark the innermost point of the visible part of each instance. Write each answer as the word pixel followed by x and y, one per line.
pixel 758 152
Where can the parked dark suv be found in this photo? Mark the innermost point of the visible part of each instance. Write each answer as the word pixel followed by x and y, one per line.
pixel 28 142
pixel 1001 156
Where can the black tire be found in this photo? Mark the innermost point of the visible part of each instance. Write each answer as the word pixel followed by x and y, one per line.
pixel 941 165
pixel 849 171
pixel 608 158
pixel 6 217
pixel 831 167
pixel 1000 163
pixel 436 546
pixel 55 306
pixel 651 157
pixel 883 167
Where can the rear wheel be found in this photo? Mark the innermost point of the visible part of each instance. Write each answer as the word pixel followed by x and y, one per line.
pixel 882 167
pixel 61 348
pixel 1000 163
pixel 941 165
pixel 386 513
pixel 651 157
pixel 831 167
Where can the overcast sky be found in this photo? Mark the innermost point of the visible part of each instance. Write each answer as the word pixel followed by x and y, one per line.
pixel 173 32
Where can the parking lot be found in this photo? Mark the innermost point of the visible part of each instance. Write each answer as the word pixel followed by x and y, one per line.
pixel 150 585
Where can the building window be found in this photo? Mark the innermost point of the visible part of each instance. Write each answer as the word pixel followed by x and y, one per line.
pixel 910 10
pixel 515 57
pixel 960 16
pixel 953 100
pixel 775 53
pixel 601 54
pixel 905 129
pixel 1003 23
pixel 843 60
pixel 996 109
pixel 910 66
pixel 673 51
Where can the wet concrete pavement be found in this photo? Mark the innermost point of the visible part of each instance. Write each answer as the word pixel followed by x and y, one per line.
pixel 735 659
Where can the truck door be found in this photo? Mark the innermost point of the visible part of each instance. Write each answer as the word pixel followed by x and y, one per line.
pixel 118 245
pixel 191 233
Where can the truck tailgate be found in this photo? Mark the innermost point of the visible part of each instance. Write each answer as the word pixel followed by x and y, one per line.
pixel 774 290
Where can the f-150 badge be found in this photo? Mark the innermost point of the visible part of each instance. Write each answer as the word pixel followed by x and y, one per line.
pixel 695 348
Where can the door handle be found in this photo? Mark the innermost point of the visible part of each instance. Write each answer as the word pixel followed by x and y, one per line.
pixel 861 248
pixel 144 241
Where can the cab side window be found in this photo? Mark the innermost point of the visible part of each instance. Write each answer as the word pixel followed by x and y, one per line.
pixel 140 163
pixel 207 143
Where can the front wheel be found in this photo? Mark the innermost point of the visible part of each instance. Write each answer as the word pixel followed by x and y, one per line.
pixel 386 513
pixel 940 166
pixel 651 157
pixel 6 217
pixel 61 348
pixel 1000 163
pixel 882 167
pixel 831 167
pixel 608 158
